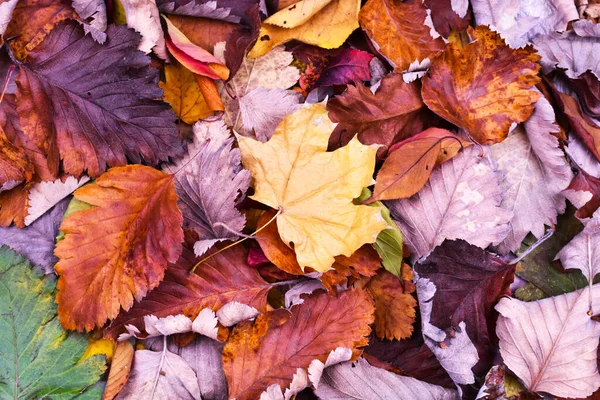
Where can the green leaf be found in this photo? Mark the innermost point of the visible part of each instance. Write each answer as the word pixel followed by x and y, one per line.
pixel 389 240
pixel 38 359
pixel 74 205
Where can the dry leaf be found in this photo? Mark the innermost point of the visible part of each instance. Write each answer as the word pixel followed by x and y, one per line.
pixel 183 94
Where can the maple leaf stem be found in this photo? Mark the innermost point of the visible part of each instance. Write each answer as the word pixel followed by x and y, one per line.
pixel 236 242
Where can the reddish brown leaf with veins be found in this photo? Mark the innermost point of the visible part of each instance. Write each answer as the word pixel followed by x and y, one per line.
pixel 217 281
pixel 394 305
pixel 13 205
pixel 483 87
pixel 409 163
pixel 399 31
pixel 268 351
pixel 14 164
pixel 118 250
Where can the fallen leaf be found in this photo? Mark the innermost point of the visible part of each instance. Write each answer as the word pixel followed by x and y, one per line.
pixel 582 157
pixel 409 163
pixel 586 183
pixel 15 167
pixel 328 29
pixel 269 351
pixel 93 13
pixel 143 16
pixel 298 147
pixel 390 115
pixel 206 9
pixel 398 31
pixel 534 174
pixel 469 283
pixel 33 20
pixel 587 88
pixel 209 180
pixel 119 370
pixel 203 32
pixel 183 94
pixel 394 305
pixel 64 108
pixel 360 380
pixel 31 324
pixel 520 21
pixel 13 206
pixel 131 248
pixel 444 17
pixel 6 10
pixel 551 344
pixel 483 87
pixel 460 201
pixel 161 374
pixel 45 195
pixel 217 281
pixel 36 242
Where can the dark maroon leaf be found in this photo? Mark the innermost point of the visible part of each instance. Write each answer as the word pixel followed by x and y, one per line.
pixel 586 182
pixel 445 19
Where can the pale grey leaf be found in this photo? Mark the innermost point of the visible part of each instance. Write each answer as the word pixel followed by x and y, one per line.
pixel 585 27
pixel 551 344
pixel 316 367
pixel 293 296
pixel 460 7
pixel 93 13
pixel 210 181
pixel 262 110
pixel 534 174
pixel 6 11
pixel 45 195
pixel 160 375
pixel 582 156
pixel 37 241
pixel 569 51
pixel 360 380
pixel 583 252
pixel 519 21
pixel 460 201
pixel 143 17
pixel 206 323
pixel 234 312
pixel 209 9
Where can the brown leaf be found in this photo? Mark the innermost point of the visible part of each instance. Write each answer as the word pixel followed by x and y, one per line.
pixel 203 32
pixel 398 29
pixel 15 167
pixel 274 347
pixel 483 87
pixel 393 113
pixel 394 305
pixel 32 21
pixel 409 164
pixel 217 281
pixel 119 370
pixel 13 206
pixel 118 250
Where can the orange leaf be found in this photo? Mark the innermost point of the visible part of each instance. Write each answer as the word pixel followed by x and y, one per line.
pixel 119 370
pixel 409 164
pixel 32 21
pixel 483 87
pixel 217 281
pixel 398 28
pixel 270 350
pixel 118 250
pixel 14 164
pixel 13 206
pixel 394 304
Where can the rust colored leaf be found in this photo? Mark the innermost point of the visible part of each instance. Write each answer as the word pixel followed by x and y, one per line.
pixel 119 370
pixel 409 164
pixel 269 351
pixel 391 114
pixel 15 167
pixel 399 31
pixel 483 87
pixel 219 280
pixel 203 32
pixel 394 305
pixel 32 21
pixel 13 206
pixel 117 251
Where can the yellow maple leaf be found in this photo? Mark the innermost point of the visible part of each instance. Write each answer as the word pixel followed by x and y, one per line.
pixel 313 189
pixel 328 28
pixel 183 94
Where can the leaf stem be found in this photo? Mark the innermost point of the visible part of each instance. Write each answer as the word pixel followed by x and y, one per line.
pixel 234 243
pixel 533 246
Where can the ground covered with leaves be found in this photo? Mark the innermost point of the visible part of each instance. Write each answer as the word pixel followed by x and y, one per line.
pixel 333 199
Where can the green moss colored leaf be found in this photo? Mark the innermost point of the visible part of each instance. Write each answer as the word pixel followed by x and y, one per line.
pixel 38 359
pixel 74 205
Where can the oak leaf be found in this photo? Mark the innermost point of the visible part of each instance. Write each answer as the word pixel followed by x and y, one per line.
pixel 217 281
pixel 210 164
pixel 483 87
pixel 394 305
pixel 65 109
pixel 551 344
pixel 398 30
pixel 393 113
pixel 329 28
pixel 308 204
pixel 127 247
pixel 273 348
pixel 460 201
pixel 409 163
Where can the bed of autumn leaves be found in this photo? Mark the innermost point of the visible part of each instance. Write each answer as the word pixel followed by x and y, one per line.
pixel 334 199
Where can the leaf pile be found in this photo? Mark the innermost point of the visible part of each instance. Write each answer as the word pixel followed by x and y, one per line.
pixel 299 199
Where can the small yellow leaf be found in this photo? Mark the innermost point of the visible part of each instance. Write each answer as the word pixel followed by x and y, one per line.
pixel 313 188
pixel 183 94
pixel 99 346
pixel 329 28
